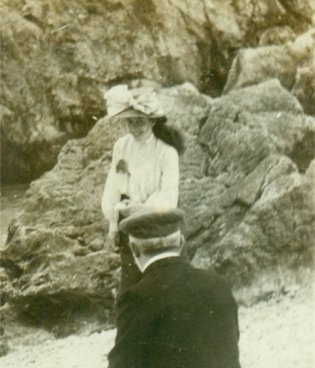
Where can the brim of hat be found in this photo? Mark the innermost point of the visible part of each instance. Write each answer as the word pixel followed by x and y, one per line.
pixel 148 224
pixel 132 113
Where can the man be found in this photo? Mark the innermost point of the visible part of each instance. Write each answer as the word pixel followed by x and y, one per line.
pixel 176 316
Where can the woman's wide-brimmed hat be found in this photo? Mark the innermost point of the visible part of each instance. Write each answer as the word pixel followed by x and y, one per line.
pixel 138 102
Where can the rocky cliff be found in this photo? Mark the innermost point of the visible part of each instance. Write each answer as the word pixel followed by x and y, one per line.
pixel 245 108
pixel 59 56
pixel 247 186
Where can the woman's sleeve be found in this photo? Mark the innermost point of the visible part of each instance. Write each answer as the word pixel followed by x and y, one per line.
pixel 111 194
pixel 167 195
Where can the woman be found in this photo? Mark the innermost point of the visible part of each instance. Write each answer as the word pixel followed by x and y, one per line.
pixel 144 170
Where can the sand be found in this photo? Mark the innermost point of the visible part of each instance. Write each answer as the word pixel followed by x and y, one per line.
pixel 278 333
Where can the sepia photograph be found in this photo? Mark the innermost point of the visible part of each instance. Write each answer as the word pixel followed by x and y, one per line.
pixel 157 184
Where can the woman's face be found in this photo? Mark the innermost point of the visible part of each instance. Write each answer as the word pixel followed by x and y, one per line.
pixel 140 128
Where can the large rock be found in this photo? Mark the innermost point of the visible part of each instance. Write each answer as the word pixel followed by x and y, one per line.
pixel 247 186
pixel 304 86
pixel 293 63
pixel 59 56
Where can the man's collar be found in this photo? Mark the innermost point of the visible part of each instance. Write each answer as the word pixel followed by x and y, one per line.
pixel 167 258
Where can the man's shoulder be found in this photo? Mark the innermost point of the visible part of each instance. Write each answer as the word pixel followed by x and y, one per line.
pixel 182 272
pixel 211 274
pixel 212 278
pixel 168 268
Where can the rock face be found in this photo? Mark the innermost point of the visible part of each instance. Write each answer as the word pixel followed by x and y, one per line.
pixel 247 186
pixel 248 172
pixel 293 63
pixel 59 56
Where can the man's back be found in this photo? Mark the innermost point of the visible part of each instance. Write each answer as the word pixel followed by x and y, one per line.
pixel 176 317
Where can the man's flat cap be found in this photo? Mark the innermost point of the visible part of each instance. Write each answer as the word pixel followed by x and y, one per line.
pixel 152 223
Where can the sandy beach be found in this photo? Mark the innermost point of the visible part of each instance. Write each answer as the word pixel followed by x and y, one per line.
pixel 274 334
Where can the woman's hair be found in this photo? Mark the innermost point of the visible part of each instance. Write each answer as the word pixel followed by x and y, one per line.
pixel 169 135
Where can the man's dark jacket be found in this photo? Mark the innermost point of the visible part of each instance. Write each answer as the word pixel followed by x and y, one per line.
pixel 176 316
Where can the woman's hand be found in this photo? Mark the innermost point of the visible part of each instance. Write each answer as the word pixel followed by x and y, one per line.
pixel 128 208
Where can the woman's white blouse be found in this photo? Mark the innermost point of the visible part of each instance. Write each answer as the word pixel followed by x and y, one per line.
pixel 147 172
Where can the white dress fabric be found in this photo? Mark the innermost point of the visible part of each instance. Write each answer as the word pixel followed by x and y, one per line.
pixel 147 172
